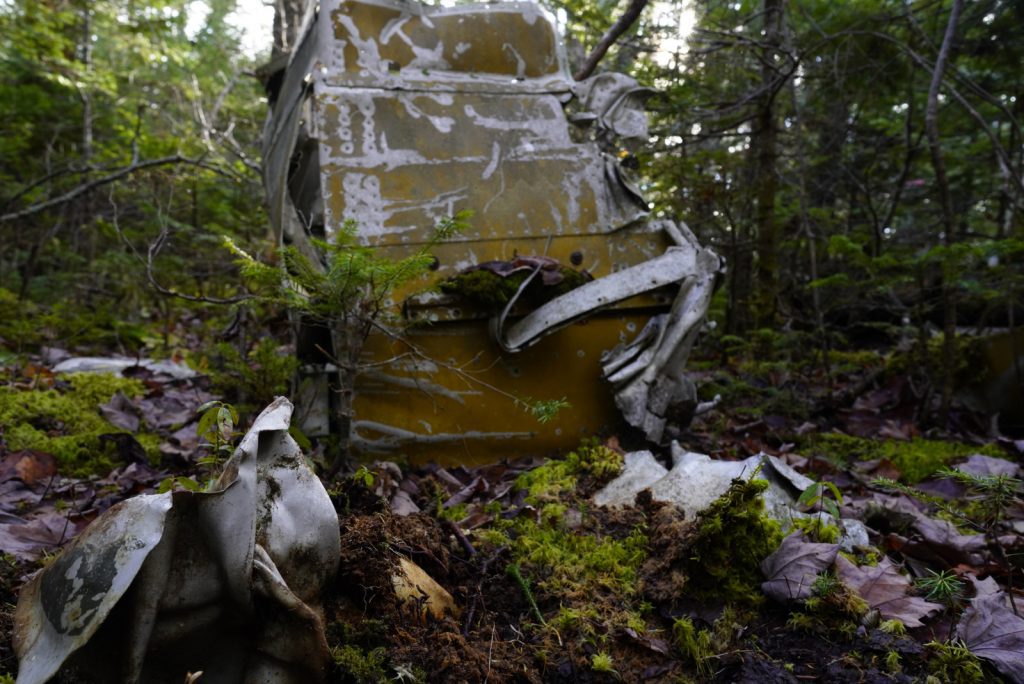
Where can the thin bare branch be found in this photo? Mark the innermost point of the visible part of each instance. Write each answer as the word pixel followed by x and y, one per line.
pixel 101 181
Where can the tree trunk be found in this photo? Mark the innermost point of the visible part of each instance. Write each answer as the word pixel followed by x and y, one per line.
pixel 949 224
pixel 765 144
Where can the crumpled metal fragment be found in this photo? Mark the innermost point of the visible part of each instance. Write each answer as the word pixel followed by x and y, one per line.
pixel 227 582
pixel 616 103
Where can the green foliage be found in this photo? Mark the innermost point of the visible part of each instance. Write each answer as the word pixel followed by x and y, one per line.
pixel 833 610
pixel 65 421
pixel 492 292
pixel 894 627
pixel 353 286
pixel 817 529
pixel 997 494
pixel 363 476
pixel 827 498
pixel 216 425
pixel 257 377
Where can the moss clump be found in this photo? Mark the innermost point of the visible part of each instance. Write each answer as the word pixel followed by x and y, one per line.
pixel 365 667
pixel 916 459
pixel 733 535
pixel 817 530
pixel 65 421
pixel 834 610
pixel 491 291
pixel 583 576
pixel 556 478
pixel 952 661
pixel 695 645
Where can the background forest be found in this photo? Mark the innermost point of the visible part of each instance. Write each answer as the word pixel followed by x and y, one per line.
pixel 858 164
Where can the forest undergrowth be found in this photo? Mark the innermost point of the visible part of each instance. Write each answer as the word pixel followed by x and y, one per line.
pixel 549 587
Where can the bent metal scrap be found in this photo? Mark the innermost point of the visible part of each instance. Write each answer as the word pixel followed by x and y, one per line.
pixel 395 116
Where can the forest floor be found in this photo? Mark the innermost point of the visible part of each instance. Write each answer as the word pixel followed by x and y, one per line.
pixel 546 586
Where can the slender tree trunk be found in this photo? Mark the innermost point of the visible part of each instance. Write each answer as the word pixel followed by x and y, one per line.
pixel 767 180
pixel 949 223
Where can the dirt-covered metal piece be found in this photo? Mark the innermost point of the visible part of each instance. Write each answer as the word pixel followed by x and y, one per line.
pixel 227 582
pixel 395 116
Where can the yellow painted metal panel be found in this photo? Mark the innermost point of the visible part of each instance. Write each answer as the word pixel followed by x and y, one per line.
pixel 463 386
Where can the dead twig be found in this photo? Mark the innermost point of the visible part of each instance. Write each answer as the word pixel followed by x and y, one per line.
pixel 104 180
pixel 631 14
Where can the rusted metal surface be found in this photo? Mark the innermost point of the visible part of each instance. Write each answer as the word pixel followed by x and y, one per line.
pixel 226 582
pixel 396 115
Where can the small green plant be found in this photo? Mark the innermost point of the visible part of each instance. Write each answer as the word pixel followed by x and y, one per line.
pixel 893 665
pixel 516 574
pixel 942 587
pixel 894 627
pixel 216 425
pixel 546 410
pixel 826 584
pixel 363 476
pixel 984 510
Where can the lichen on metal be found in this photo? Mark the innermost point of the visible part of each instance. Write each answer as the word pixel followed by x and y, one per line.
pixel 395 116
pixel 227 582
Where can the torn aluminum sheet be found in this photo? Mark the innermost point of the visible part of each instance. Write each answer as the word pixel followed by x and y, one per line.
pixel 226 582
pixel 395 116
pixel 696 480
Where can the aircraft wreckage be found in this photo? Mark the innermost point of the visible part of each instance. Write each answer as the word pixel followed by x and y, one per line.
pixel 394 116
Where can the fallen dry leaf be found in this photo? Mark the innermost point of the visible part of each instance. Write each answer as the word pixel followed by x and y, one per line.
pixel 992 631
pixel 980 465
pixel 30 540
pixel 884 588
pixel 120 412
pixel 28 466
pixel 791 570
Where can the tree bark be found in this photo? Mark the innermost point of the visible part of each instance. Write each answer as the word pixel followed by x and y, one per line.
pixel 949 238
pixel 765 145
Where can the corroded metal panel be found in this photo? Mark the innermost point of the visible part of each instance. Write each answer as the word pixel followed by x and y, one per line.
pixel 398 162
pixel 443 407
pixel 505 46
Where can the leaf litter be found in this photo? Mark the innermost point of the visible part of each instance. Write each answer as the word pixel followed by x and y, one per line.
pixel 466 527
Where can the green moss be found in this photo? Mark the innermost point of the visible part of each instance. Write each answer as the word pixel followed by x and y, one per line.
pixel 549 482
pixel 817 530
pixel 584 580
pixel 365 666
pixel 602 662
pixel 953 662
pixel 693 644
pixel 733 536
pixel 492 291
pixel 66 422
pixel 915 458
